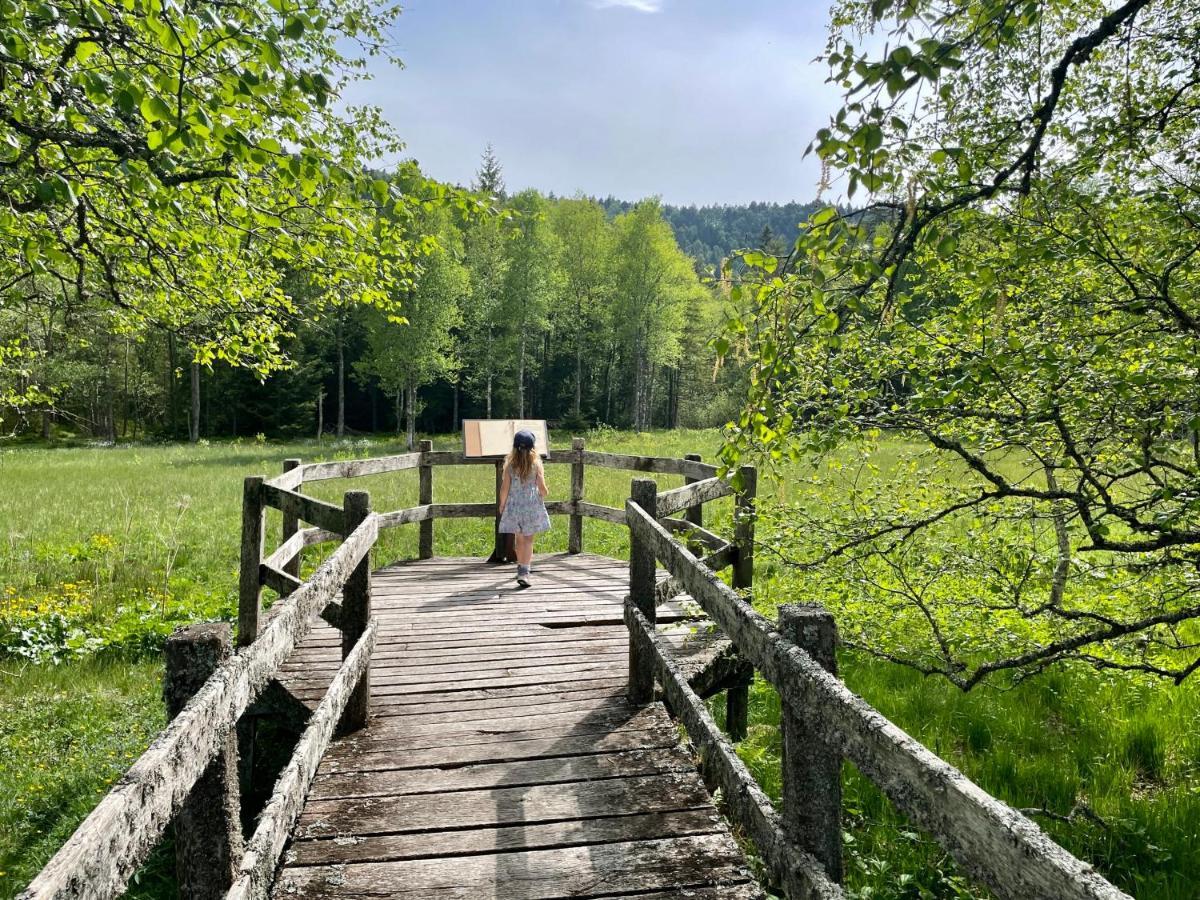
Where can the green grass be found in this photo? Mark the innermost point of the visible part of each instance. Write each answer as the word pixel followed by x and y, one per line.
pixel 106 550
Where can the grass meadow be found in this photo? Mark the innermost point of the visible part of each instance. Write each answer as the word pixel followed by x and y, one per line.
pixel 103 551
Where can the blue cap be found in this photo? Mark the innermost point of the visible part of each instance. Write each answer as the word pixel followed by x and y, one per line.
pixel 523 440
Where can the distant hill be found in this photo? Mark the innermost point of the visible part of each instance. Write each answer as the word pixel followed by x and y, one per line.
pixel 709 234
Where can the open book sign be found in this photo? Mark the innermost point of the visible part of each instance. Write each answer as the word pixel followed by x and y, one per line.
pixel 494 437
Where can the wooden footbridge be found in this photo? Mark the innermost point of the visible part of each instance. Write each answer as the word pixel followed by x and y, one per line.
pixel 463 738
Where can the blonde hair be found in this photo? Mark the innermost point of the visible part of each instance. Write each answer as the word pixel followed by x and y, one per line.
pixel 523 462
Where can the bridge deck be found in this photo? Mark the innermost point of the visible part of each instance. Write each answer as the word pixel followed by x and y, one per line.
pixel 502 759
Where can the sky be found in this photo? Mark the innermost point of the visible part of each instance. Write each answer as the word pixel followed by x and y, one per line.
pixel 695 101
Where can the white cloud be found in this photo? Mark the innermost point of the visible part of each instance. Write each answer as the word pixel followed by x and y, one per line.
pixel 642 6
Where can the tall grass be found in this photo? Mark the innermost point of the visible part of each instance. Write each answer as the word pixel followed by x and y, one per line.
pixel 124 543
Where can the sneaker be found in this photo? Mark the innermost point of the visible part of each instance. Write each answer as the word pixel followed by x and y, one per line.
pixel 523 581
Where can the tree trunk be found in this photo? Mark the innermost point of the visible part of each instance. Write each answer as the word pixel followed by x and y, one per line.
pixel 374 409
pixel 489 396
pixel 410 402
pixel 454 426
pixel 521 377
pixel 45 424
pixel 172 365
pixel 578 407
pixel 320 413
pixel 194 421
pixel 341 379
pixel 399 413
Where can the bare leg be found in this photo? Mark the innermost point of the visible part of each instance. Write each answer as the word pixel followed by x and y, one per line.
pixel 524 549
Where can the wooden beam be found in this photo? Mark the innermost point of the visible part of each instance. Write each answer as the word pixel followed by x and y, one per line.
pixel 249 584
pixel 291 525
pixel 277 580
pixel 352 468
pixel 661 464
pixel 98 860
pixel 425 498
pixel 309 509
pixel 643 493
pixel 692 495
pixel 279 817
pixel 575 525
pixel 606 513
pixel 405 516
pixel 356 611
pixel 991 840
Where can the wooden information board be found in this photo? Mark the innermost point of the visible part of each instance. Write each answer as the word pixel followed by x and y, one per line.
pixel 494 437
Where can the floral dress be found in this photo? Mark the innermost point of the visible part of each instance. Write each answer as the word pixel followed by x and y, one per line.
pixel 524 511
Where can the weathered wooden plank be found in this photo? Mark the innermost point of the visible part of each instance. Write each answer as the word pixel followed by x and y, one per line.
pixel 249 585
pixel 991 840
pixel 597 511
pixel 290 479
pixel 660 464
pixel 799 873
pixel 694 494
pixel 503 805
pixel 282 811
pixel 290 528
pixel 309 509
pixel 104 852
pixel 352 468
pixel 457 458
pixel 355 615
pixel 578 832
pixel 280 582
pixel 405 516
pixel 421 667
pixel 319 536
pixel 287 551
pixel 575 526
pixel 695 534
pixel 462 510
pixel 521 773
pixel 395 653
pixel 558 744
pixel 399 734
pixel 594 870
pixel 425 498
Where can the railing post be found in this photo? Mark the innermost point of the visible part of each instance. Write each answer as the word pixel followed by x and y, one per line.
pixel 291 524
pixel 642 565
pixel 250 575
pixel 356 611
pixel 208 829
pixel 693 514
pixel 812 770
pixel 737 698
pixel 575 527
pixel 425 488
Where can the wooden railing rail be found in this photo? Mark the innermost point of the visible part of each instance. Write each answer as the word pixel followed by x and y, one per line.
pixel 98 860
pixel 992 841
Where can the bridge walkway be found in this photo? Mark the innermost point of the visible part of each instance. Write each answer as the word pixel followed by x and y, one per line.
pixel 501 758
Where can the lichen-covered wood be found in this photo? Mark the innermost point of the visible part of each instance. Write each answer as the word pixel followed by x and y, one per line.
pixel 691 495
pixel 660 464
pixel 291 525
pixel 425 498
pixel 275 823
pixel 301 506
pixel 208 828
pixel 249 584
pixel 605 513
pixel 356 611
pixel 352 468
pixel 811 769
pixel 117 836
pixel 693 514
pixel 642 579
pixel 575 524
pixel 798 873
pixel 990 839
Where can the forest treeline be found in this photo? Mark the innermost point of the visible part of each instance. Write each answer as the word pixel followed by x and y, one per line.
pixel 576 310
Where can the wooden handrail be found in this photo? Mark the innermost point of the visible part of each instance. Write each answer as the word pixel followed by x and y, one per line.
pixel 994 842
pixel 308 509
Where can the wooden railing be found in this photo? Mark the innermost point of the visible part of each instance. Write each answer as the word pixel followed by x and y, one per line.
pixel 189 775
pixel 822 724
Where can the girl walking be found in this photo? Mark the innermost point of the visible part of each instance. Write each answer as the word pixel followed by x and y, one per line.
pixel 522 507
